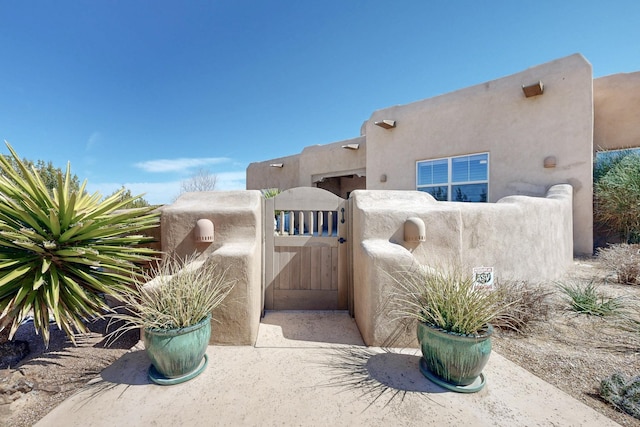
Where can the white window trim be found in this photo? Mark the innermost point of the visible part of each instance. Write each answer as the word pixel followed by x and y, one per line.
pixel 450 184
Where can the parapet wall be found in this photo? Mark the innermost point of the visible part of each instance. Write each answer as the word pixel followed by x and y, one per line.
pixel 236 246
pixel 523 238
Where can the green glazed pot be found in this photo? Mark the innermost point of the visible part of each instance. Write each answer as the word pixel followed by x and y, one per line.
pixel 454 359
pixel 177 353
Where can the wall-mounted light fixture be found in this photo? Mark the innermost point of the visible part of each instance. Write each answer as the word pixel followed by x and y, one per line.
pixel 550 162
pixel 383 177
pixel 276 165
pixel 386 124
pixel 203 231
pixel 533 90
pixel 414 230
pixel 351 146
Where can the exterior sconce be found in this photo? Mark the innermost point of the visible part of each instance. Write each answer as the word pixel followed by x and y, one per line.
pixel 533 90
pixel 351 146
pixel 414 230
pixel 204 230
pixel 383 177
pixel 550 162
pixel 276 165
pixel 386 124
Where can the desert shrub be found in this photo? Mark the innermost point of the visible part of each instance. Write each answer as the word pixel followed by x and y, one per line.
pixel 624 260
pixel 617 198
pixel 587 299
pixel 525 303
pixel 621 393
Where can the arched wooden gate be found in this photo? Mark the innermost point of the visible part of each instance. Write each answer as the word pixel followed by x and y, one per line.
pixel 306 251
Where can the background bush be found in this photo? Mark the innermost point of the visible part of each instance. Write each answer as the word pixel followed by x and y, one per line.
pixel 617 197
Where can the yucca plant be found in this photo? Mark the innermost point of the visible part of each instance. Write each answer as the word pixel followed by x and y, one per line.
pixel 61 252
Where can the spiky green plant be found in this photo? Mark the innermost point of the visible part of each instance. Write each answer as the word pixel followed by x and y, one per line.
pixel 173 293
pixel 61 252
pixel 446 300
pixel 587 299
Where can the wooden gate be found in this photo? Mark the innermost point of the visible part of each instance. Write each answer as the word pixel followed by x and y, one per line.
pixel 305 251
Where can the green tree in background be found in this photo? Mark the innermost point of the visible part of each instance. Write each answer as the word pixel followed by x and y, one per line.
pixel 47 172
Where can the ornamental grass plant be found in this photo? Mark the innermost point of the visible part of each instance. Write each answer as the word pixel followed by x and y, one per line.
pixel 175 293
pixel 448 301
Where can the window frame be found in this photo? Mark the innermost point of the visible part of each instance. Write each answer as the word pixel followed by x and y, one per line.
pixel 450 184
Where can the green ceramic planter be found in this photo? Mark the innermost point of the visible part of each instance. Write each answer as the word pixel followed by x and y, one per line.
pixel 177 353
pixel 455 360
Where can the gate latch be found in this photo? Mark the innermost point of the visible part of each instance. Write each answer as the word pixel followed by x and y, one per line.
pixel 342 240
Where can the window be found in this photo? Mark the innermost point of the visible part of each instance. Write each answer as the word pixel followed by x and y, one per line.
pixel 457 179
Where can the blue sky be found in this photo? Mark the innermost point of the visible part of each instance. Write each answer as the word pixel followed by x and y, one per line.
pixel 146 93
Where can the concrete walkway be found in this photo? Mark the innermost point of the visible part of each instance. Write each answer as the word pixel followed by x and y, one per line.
pixel 312 369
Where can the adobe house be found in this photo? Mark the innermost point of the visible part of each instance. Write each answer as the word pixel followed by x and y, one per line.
pixel 525 143
pixel 517 135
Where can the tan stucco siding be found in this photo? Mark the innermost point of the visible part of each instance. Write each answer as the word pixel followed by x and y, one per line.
pixel 616 103
pixel 237 247
pixel 516 131
pixel 331 160
pixel 313 163
pixel 521 237
pixel 261 175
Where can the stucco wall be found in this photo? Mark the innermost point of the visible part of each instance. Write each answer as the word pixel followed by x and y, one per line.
pixel 237 218
pixel 523 238
pixel 261 175
pixel 616 104
pixel 518 132
pixel 313 163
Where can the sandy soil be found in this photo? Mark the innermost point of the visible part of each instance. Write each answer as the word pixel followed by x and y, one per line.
pixel 572 352
pixel 46 377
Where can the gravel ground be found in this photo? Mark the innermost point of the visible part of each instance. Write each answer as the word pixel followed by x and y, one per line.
pixel 574 352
